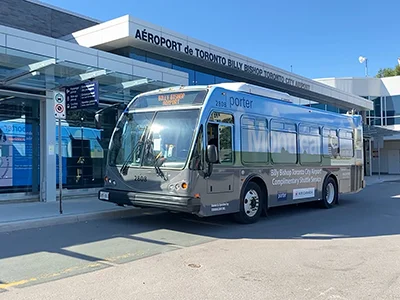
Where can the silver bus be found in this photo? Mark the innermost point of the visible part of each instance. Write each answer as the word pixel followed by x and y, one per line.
pixel 230 148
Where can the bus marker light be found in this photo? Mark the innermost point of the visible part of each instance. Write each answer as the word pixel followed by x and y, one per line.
pixel 197 195
pixel 184 185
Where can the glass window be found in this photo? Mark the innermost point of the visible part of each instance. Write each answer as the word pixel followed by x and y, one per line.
pixel 19 145
pixel 159 60
pixel 283 142
pixel 203 78
pixel 225 144
pixel 346 143
pixel 332 108
pixel 393 121
pixel 377 107
pixel 330 143
pixel 254 140
pixel 310 144
pixel 137 54
pixel 221 79
pixel 319 106
pixel 393 106
pixel 186 70
pixel 197 160
pixel 221 117
pixel 128 139
pixel 170 137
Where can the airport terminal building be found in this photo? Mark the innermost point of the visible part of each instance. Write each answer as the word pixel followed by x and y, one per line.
pixel 46 51
pixel 383 151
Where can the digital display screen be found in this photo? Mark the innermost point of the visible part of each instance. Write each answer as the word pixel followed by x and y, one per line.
pixel 170 99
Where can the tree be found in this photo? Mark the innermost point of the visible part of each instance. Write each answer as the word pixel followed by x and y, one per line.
pixel 388 72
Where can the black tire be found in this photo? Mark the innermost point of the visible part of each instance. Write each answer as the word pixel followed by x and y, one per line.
pixel 252 193
pixel 329 193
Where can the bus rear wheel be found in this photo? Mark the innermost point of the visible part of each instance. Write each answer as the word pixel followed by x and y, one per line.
pixel 329 193
pixel 251 204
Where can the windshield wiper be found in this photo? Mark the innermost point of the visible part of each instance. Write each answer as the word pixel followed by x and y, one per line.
pixel 158 162
pixel 159 159
pixel 124 167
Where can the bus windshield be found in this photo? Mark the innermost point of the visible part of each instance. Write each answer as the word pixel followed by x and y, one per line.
pixel 142 137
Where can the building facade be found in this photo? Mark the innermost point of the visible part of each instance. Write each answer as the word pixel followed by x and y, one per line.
pixel 40 56
pixel 383 154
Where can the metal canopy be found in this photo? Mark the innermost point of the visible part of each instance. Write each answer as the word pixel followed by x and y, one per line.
pixel 27 71
pixel 378 131
pixel 126 85
pixel 83 77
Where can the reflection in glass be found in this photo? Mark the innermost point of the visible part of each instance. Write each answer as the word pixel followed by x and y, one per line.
pixel 170 136
pixel 19 145
pixel 128 138
pixel 225 144
pixel 137 142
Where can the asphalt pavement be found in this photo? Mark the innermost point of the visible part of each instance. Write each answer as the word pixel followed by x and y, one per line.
pixel 299 252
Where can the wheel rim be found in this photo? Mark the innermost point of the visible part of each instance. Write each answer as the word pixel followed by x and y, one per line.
pixel 251 203
pixel 330 193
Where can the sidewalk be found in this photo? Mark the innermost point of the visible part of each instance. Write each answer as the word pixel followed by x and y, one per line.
pixel 17 216
pixel 375 179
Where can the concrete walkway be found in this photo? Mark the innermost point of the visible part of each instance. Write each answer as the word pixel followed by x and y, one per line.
pixel 375 179
pixel 16 216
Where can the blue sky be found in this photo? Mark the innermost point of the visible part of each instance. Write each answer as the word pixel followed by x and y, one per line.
pixel 318 38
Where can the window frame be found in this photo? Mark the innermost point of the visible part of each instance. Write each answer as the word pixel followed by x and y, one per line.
pixel 232 127
pixel 295 131
pixel 348 139
pixel 319 135
pixel 254 127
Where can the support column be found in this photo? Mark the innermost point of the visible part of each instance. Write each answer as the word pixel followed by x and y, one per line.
pixel 47 149
pixel 370 157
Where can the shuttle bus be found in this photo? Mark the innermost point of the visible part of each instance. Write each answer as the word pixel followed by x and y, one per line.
pixel 230 148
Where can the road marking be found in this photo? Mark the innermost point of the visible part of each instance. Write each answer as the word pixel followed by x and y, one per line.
pixel 6 286
pixel 107 262
pixel 48 276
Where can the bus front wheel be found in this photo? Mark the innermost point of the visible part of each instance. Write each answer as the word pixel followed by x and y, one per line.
pixel 251 204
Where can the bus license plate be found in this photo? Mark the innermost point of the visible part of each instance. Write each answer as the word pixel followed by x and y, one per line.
pixel 104 195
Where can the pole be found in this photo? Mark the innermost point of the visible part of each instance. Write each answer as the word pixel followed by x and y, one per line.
pixel 82 155
pixel 379 162
pixel 60 163
pixel 366 67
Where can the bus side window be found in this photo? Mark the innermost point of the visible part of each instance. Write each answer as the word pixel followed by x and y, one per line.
pixel 212 135
pixel 225 143
pixel 196 163
pixel 220 135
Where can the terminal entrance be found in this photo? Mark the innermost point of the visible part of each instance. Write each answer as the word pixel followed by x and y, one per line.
pixel 19 146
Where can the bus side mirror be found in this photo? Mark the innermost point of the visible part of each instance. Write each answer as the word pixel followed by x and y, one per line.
pixel 212 154
pixel 97 121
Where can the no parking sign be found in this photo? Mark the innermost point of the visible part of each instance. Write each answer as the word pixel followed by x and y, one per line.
pixel 59 104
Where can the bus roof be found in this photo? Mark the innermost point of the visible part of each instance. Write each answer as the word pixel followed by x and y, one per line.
pixel 246 88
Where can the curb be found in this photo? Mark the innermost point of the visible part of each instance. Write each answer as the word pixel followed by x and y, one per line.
pixel 72 218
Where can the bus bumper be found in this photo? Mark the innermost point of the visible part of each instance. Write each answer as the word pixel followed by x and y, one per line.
pixel 166 202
